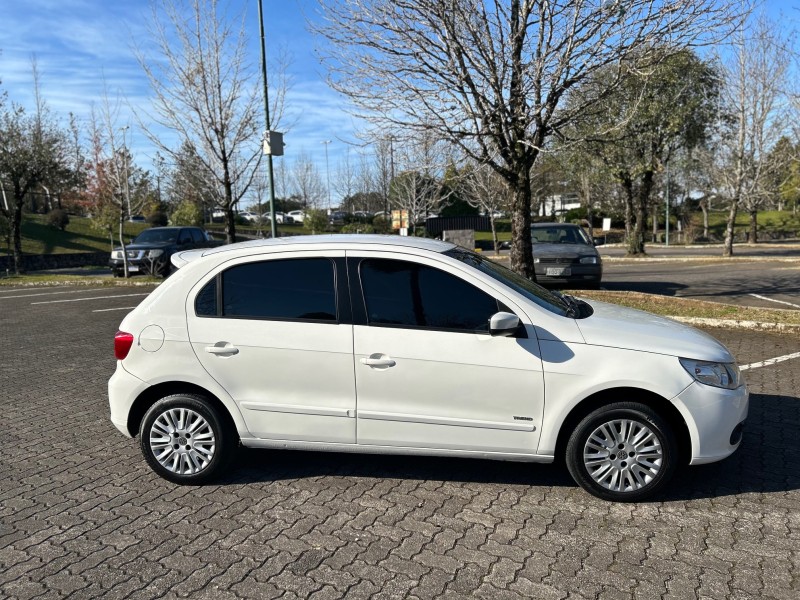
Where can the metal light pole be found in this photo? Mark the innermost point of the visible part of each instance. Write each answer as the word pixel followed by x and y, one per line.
pixel 327 171
pixel 273 228
pixel 666 237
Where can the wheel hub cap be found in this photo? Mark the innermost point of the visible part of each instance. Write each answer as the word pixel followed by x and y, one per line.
pixel 623 455
pixel 182 441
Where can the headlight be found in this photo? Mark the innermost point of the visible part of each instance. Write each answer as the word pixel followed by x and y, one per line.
pixel 722 375
pixel 116 254
pixel 154 253
pixel 536 260
pixel 588 260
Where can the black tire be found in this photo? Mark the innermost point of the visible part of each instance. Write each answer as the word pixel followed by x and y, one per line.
pixel 184 460
pixel 633 453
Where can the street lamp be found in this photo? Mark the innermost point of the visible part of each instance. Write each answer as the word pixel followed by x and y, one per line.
pixel 327 170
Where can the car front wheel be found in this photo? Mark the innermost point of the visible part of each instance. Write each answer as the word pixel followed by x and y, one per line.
pixel 623 452
pixel 185 440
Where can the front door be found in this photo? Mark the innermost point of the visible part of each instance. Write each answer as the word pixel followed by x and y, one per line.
pixel 428 374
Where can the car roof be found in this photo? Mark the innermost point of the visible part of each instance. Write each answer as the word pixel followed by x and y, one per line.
pixel 337 240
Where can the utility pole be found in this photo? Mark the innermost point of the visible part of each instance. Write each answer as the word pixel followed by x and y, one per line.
pixel 268 136
pixel 327 171
pixel 666 194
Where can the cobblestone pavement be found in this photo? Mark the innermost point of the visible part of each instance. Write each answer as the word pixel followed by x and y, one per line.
pixel 82 516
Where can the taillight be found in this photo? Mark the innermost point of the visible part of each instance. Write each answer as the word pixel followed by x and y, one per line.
pixel 122 344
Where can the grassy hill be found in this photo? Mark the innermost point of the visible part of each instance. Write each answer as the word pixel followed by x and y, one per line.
pixel 79 236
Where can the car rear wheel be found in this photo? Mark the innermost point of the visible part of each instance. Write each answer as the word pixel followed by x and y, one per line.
pixel 623 452
pixel 185 440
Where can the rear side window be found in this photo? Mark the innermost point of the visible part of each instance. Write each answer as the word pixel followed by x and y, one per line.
pixel 197 236
pixel 407 294
pixel 296 289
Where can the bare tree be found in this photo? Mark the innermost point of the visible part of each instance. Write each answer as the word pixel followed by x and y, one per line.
pixel 33 151
pixel 491 77
pixel 111 170
pixel 418 187
pixel 206 91
pixel 489 193
pixel 346 178
pixel 753 99
pixel 307 182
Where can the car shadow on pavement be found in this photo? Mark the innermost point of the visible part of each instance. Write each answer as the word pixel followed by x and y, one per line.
pixel 767 461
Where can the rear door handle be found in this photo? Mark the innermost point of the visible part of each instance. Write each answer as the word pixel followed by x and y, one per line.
pixel 378 360
pixel 222 349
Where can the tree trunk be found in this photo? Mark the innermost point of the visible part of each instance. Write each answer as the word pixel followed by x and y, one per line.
pixel 704 208
pixel 494 233
pixel 627 185
pixel 122 241
pixel 727 249
pixel 230 225
pixel 15 223
pixel 753 237
pixel 521 249
pixel 636 245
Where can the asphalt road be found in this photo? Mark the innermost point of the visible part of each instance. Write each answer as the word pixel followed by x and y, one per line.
pixel 81 515
pixel 767 282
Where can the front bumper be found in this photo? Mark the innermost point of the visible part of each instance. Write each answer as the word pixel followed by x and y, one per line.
pixel 714 417
pixel 591 274
pixel 140 265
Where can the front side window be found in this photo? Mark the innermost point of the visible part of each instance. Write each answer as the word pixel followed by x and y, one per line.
pixel 291 289
pixel 408 294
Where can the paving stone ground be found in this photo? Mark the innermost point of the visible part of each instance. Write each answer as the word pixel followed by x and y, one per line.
pixel 81 516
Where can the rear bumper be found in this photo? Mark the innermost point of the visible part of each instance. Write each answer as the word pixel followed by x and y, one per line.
pixel 123 389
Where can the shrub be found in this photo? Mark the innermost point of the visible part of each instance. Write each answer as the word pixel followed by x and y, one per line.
pixel 358 228
pixel 381 224
pixel 316 221
pixel 158 219
pixel 58 218
pixel 187 213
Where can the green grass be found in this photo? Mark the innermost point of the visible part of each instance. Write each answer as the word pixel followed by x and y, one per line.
pixel 772 220
pixel 79 236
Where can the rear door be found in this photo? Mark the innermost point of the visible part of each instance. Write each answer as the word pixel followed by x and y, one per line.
pixel 275 332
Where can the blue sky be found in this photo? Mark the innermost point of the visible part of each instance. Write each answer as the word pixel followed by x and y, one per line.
pixel 84 46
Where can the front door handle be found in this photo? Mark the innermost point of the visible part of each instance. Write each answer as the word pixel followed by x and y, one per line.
pixel 222 349
pixel 378 360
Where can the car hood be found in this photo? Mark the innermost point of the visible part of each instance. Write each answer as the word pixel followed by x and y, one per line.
pixel 544 249
pixel 145 246
pixel 619 327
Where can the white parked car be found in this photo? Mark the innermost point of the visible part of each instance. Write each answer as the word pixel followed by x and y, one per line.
pixel 279 218
pixel 402 345
pixel 297 215
pixel 248 216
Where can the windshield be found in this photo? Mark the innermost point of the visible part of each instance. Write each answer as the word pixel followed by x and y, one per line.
pixel 532 291
pixel 149 236
pixel 559 234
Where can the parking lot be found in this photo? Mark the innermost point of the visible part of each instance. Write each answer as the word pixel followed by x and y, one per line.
pixel 82 516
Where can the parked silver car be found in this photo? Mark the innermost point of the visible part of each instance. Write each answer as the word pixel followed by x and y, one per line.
pixel 565 254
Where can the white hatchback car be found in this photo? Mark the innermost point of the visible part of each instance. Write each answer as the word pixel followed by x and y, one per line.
pixel 400 345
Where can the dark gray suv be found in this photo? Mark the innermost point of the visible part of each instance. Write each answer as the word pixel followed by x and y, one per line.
pixel 564 254
pixel 150 252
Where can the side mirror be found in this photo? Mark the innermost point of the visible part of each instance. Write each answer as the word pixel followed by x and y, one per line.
pixel 598 241
pixel 503 324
